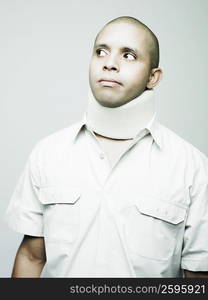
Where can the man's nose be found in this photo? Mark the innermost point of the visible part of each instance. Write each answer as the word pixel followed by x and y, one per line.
pixel 111 64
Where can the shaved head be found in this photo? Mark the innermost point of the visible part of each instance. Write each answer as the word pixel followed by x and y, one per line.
pixel 124 62
pixel 152 44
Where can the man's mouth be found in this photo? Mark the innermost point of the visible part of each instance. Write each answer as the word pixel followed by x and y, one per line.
pixel 110 82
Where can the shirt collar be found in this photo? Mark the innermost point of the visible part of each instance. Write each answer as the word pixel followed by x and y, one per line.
pixel 153 127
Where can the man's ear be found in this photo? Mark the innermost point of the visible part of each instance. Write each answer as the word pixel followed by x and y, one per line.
pixel 154 78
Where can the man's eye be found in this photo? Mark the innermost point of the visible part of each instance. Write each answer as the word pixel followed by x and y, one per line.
pixel 129 56
pixel 100 52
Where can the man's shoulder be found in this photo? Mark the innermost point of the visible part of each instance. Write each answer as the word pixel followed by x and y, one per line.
pixel 178 144
pixel 57 139
pixel 62 133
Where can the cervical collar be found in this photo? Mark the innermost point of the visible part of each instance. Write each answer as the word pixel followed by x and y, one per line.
pixel 123 122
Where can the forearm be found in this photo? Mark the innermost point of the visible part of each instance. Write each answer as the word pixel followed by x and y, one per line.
pixel 190 274
pixel 25 266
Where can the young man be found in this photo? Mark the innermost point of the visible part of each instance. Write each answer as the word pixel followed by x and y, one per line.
pixel 116 194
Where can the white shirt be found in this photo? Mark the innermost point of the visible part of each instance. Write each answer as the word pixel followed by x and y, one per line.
pixel 143 215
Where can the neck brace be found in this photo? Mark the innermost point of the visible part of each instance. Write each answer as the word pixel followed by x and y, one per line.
pixel 123 122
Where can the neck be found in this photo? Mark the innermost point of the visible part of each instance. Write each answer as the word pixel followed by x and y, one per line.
pixel 123 122
pixel 110 138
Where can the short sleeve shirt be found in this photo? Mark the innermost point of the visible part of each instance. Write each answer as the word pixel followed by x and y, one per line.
pixel 144 216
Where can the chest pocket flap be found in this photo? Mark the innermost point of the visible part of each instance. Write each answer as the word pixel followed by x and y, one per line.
pixel 168 212
pixel 59 194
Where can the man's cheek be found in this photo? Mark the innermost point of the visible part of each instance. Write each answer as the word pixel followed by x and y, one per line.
pixel 95 70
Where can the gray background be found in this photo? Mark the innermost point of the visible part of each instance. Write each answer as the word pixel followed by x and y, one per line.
pixel 45 46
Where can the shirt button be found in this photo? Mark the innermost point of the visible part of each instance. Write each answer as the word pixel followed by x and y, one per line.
pixel 102 156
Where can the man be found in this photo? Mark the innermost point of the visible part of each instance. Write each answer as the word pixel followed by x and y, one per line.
pixel 117 194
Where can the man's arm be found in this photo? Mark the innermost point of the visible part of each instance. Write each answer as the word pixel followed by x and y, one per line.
pixel 190 274
pixel 30 258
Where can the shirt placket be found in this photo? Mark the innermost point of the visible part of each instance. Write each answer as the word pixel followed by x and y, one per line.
pixel 134 142
pixel 98 160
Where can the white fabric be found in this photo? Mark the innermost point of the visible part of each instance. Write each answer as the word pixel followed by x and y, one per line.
pixel 113 148
pixel 121 122
pixel 145 216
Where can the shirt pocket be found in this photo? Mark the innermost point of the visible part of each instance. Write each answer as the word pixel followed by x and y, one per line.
pixel 154 228
pixel 61 213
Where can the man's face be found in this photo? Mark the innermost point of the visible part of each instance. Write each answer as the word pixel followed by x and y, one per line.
pixel 120 64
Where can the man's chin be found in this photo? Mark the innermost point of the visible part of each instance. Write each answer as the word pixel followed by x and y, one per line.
pixel 109 103
pixel 108 99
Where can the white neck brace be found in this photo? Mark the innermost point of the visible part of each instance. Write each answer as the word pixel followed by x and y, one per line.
pixel 123 122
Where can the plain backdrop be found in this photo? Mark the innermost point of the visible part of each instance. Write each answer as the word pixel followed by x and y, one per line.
pixel 45 47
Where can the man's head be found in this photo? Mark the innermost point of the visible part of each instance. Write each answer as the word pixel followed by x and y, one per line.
pixel 124 62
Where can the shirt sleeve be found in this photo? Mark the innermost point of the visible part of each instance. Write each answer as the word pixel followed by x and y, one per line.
pixel 195 245
pixel 24 212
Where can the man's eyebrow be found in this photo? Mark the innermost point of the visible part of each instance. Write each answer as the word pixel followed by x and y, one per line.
pixel 101 46
pixel 128 49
